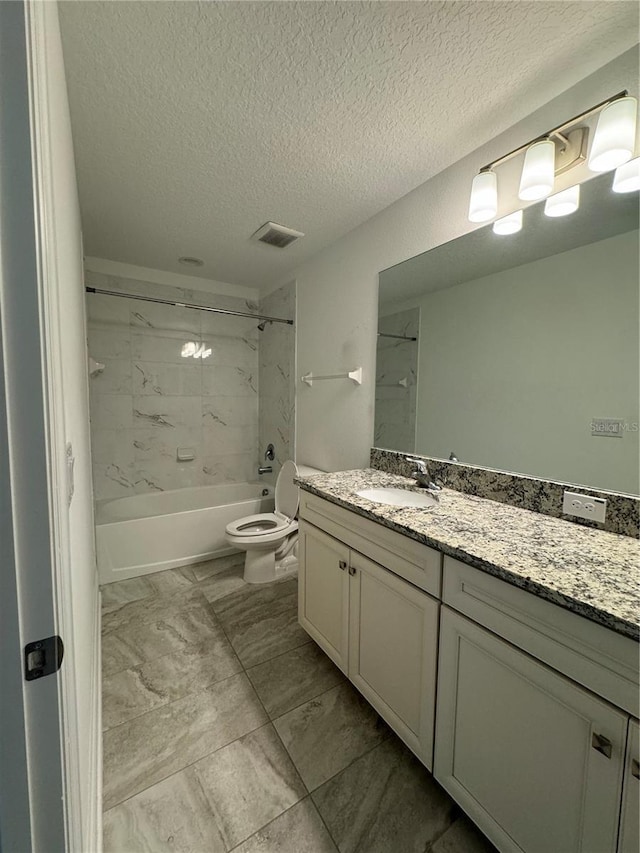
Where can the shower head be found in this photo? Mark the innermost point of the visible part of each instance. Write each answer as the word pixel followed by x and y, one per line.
pixel 261 326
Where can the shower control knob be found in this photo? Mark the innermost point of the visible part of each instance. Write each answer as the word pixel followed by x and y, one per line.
pixel 270 453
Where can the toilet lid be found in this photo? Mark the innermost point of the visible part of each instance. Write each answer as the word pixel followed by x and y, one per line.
pixel 286 490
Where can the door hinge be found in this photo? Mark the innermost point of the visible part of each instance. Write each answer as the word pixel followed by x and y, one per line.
pixel 43 657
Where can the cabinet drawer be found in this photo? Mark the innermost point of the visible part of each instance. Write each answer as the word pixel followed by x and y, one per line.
pixel 417 563
pixel 600 659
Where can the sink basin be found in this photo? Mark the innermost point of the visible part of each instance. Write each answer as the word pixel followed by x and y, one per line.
pixel 398 497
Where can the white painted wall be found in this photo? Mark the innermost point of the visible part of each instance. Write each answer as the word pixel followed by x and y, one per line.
pixel 517 364
pixel 338 289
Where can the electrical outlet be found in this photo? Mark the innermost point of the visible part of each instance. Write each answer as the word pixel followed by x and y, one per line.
pixel 584 506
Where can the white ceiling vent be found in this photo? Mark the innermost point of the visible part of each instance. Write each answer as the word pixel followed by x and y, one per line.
pixel 276 235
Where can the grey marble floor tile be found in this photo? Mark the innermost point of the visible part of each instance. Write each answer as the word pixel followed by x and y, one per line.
pixel 172 816
pixel 202 571
pixel 115 595
pixel 261 640
pixel 385 801
pixel 138 642
pixel 168 582
pixel 250 600
pixel 325 735
pixel 248 783
pixel 462 837
pixel 299 830
pixel 153 608
pixel 149 748
pixel 133 692
pixel 223 584
pixel 295 677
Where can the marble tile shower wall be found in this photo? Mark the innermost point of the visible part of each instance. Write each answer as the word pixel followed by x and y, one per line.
pixel 277 379
pixel 150 400
pixel 396 363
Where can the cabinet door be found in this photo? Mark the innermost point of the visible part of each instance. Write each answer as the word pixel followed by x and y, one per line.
pixel 534 759
pixel 630 822
pixel 323 592
pixel 393 651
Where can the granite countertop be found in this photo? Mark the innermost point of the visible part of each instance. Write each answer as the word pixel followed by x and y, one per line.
pixel 592 573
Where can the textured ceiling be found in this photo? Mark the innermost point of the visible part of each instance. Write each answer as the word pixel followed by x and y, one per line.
pixel 196 122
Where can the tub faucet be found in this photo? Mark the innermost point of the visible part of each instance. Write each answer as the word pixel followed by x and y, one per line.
pixel 422 477
pixel 265 469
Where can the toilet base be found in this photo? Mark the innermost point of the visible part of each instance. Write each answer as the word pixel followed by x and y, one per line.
pixel 262 566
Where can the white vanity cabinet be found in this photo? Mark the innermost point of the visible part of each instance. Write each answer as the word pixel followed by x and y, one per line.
pixel 379 629
pixel 534 759
pixel 523 743
pixel 536 709
pixel 630 818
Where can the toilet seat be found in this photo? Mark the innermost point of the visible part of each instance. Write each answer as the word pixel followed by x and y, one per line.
pixel 261 524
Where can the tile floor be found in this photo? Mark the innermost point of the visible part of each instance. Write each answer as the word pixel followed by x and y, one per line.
pixel 227 729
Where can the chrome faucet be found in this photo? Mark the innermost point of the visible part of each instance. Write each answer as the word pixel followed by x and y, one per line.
pixel 265 469
pixel 423 478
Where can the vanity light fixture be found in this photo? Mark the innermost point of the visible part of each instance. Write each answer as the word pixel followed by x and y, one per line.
pixel 539 171
pixel 627 177
pixel 615 135
pixel 483 204
pixel 558 151
pixel 510 224
pixel 563 203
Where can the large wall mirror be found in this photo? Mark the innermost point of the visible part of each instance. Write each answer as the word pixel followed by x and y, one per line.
pixel 520 352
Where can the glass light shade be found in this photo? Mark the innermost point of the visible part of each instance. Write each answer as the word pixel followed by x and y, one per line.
pixel 627 177
pixel 483 204
pixel 563 203
pixel 615 135
pixel 538 171
pixel 510 224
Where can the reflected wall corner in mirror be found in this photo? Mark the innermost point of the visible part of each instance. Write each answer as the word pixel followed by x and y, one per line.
pixel 521 352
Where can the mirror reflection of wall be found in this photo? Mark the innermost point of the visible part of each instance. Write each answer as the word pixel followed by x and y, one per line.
pixel 518 362
pixel 396 372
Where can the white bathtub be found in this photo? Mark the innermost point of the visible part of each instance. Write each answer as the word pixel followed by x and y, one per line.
pixel 149 533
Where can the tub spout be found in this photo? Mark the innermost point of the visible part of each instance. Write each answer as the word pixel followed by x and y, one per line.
pixel 265 469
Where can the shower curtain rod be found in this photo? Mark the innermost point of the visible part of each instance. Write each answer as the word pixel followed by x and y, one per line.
pixel 188 305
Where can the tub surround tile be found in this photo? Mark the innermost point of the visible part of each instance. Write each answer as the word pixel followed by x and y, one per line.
pixel 326 734
pixel 294 678
pixel 590 572
pixel 519 490
pixel 248 784
pixel 143 751
pixel 298 830
pixel 386 800
pixel 132 692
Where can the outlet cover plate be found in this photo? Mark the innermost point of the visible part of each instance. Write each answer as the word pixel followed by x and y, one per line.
pixel 584 506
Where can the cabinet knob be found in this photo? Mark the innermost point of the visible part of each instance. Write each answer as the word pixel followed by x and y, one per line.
pixel 342 564
pixel 352 570
pixel 635 768
pixel 601 744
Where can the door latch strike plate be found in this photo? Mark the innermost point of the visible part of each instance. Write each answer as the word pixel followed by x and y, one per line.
pixel 43 657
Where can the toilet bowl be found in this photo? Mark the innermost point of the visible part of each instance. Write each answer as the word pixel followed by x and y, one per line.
pixel 270 538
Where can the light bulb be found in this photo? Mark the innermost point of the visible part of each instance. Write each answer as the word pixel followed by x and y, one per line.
pixel 483 204
pixel 627 177
pixel 510 224
pixel 538 171
pixel 615 135
pixel 563 203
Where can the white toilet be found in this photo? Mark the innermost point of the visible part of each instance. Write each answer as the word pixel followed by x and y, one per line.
pixel 270 538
